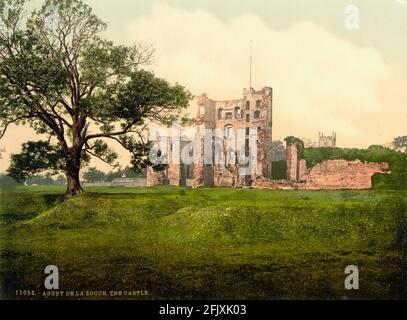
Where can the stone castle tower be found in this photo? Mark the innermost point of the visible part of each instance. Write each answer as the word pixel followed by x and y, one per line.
pixel 327 141
pixel 252 111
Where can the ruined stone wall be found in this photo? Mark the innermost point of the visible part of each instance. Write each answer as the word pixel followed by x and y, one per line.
pixel 263 183
pixel 128 182
pixel 203 173
pixel 174 175
pixel 302 170
pixel 342 174
pixel 154 178
pixel 292 162
pixel 267 148
pixel 330 174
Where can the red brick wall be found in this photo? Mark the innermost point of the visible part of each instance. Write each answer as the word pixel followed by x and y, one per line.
pixel 342 174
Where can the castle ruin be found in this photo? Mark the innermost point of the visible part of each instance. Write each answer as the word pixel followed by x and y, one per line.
pixel 330 173
pixel 252 114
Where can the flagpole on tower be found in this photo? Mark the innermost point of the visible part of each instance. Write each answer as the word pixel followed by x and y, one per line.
pixel 251 63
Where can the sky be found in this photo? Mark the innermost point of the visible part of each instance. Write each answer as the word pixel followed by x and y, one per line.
pixel 325 77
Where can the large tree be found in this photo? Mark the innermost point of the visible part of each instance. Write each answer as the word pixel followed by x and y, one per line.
pixel 58 75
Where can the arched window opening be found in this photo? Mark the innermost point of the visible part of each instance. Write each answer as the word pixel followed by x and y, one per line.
pixel 228 131
pixel 220 114
pixel 238 113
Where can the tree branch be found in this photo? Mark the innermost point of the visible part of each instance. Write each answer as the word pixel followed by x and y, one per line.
pixel 100 158
pixel 127 129
pixel 3 131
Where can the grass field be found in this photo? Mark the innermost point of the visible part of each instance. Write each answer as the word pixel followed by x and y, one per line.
pixel 206 243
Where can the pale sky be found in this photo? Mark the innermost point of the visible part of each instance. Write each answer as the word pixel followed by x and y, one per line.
pixel 325 77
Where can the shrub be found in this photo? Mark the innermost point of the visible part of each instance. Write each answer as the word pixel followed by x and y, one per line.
pixel 278 170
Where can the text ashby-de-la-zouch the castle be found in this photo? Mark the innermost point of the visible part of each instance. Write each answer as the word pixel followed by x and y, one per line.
pixel 252 115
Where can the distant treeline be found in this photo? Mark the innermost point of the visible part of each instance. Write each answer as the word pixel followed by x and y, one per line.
pixel 47 179
pixel 93 174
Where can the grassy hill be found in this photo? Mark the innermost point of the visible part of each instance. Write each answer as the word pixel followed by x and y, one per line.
pixel 205 243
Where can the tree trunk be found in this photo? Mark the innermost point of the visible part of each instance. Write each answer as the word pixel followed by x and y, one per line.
pixel 72 176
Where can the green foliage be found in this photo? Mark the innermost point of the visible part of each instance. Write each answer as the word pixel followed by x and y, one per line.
pixel 111 175
pixel 101 150
pixel 131 172
pixel 278 170
pixel 41 180
pixel 298 142
pixel 38 157
pixel 60 180
pixel 140 151
pixel 396 160
pixel 142 97
pixel 7 181
pixel 94 175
